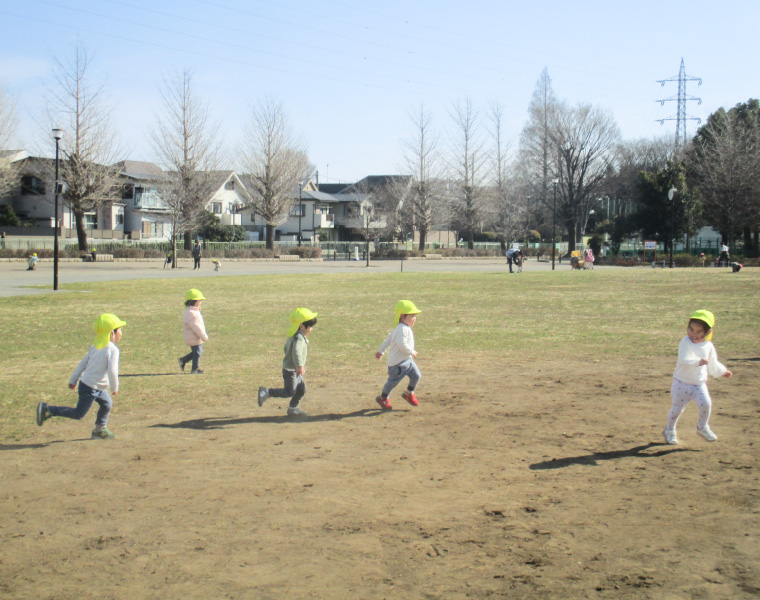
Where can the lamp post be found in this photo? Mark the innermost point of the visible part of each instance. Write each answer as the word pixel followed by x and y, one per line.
pixel 300 211
pixel 671 194
pixel 554 218
pixel 57 134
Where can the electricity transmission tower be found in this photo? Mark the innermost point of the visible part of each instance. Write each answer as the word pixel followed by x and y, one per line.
pixel 680 117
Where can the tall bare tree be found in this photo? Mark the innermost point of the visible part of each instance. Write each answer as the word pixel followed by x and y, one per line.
pixel 506 210
pixel 468 160
pixel 274 161
pixel 89 144
pixel 586 139
pixel 8 123
pixel 421 201
pixel 187 145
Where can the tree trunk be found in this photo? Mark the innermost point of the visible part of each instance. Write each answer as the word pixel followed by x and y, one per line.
pixel 81 233
pixel 471 239
pixel 270 237
pixel 423 238
pixel 188 240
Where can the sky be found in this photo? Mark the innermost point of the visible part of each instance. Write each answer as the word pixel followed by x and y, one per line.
pixel 349 73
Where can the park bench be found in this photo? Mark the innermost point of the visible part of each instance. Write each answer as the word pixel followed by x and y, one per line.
pixel 289 257
pixel 434 256
pixel 97 257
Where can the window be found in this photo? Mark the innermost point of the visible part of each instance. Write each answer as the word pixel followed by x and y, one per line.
pixel 298 209
pixel 90 221
pixel 32 186
pixel 138 193
pixel 230 185
pixel 147 229
pixel 216 208
pixel 128 192
pixel 120 218
pixel 322 210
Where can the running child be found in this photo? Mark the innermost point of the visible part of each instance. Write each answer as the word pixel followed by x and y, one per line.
pixel 401 355
pixel 96 373
pixel 193 331
pixel 302 320
pixel 696 360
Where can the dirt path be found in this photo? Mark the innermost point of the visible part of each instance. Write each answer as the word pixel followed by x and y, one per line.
pixel 544 483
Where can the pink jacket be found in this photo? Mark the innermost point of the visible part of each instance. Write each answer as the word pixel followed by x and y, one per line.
pixel 193 330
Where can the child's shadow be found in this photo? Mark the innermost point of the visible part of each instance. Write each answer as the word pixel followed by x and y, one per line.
pixel 591 459
pixel 221 422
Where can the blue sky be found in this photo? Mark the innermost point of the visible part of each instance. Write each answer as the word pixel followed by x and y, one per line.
pixel 349 72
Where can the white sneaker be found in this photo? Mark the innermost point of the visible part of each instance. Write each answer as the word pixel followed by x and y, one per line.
pixel 296 412
pixel 263 395
pixel 670 436
pixel 707 434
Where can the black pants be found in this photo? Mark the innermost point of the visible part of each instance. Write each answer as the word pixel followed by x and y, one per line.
pixel 197 263
pixel 295 388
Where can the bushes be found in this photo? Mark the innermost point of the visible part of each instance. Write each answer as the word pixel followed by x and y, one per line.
pixel 306 252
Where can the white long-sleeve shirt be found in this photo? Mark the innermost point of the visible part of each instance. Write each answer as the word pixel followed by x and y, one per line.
pixel 689 355
pixel 399 343
pixel 99 369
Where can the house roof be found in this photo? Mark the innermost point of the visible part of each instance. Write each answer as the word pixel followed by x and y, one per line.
pixel 332 188
pixel 140 170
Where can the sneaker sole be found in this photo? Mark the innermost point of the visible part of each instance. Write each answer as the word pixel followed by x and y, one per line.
pixel 41 413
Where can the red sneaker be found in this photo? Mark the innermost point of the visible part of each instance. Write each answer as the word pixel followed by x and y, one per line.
pixel 410 398
pixel 384 403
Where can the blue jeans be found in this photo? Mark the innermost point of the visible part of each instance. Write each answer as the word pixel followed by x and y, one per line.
pixel 295 388
pixel 194 355
pixel 87 396
pixel 396 373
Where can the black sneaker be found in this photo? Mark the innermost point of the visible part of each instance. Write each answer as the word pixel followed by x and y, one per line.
pixel 42 413
pixel 181 365
pixel 197 372
pixel 263 395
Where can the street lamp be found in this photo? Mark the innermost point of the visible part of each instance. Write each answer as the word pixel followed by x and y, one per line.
pixel 300 211
pixel 554 219
pixel 57 134
pixel 671 194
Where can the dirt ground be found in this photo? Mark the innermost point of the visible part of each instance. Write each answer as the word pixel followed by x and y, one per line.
pixel 535 480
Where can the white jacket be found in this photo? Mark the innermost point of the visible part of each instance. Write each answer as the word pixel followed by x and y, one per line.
pixel 689 355
pixel 399 343
pixel 99 369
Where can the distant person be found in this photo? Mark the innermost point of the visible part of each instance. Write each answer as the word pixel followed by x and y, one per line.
pixel 96 373
pixel 302 321
pixel 401 355
pixel 193 331
pixel 168 261
pixel 702 260
pixel 724 255
pixel 511 255
pixel 217 264
pixel 588 259
pixel 32 262
pixel 196 255
pixel 697 360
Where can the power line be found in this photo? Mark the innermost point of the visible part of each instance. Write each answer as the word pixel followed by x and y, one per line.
pixel 680 117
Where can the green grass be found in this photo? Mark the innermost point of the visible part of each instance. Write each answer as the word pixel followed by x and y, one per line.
pixel 608 315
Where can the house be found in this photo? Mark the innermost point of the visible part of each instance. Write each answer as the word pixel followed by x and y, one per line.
pixel 226 197
pixel 33 200
pixel 146 215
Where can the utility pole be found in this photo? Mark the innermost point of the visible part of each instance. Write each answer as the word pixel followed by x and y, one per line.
pixel 681 98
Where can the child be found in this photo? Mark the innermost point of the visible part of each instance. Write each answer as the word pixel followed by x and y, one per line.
pixel 217 263
pixel 168 261
pixel 302 320
pixel 96 372
pixel 193 331
pixel 32 261
pixel 696 360
pixel 401 355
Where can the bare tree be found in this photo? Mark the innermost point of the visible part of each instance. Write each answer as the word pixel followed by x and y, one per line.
pixel 537 150
pixel 8 123
pixel 420 201
pixel 586 140
pixel 467 165
pixel 89 145
pixel 186 144
pixel 505 209
pixel 365 213
pixel 274 161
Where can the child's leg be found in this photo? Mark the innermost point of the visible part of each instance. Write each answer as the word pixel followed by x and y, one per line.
pixel 87 396
pixel 704 403
pixel 195 356
pixel 395 374
pixel 414 376
pixel 289 380
pixel 105 402
pixel 680 394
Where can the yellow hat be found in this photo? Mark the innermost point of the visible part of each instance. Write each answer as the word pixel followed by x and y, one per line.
pixel 405 307
pixel 707 318
pixel 194 295
pixel 103 327
pixel 298 316
pixel 34 254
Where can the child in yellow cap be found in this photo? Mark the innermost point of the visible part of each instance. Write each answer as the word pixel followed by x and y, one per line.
pixel 401 355
pixel 96 372
pixel 302 320
pixel 193 331
pixel 697 360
